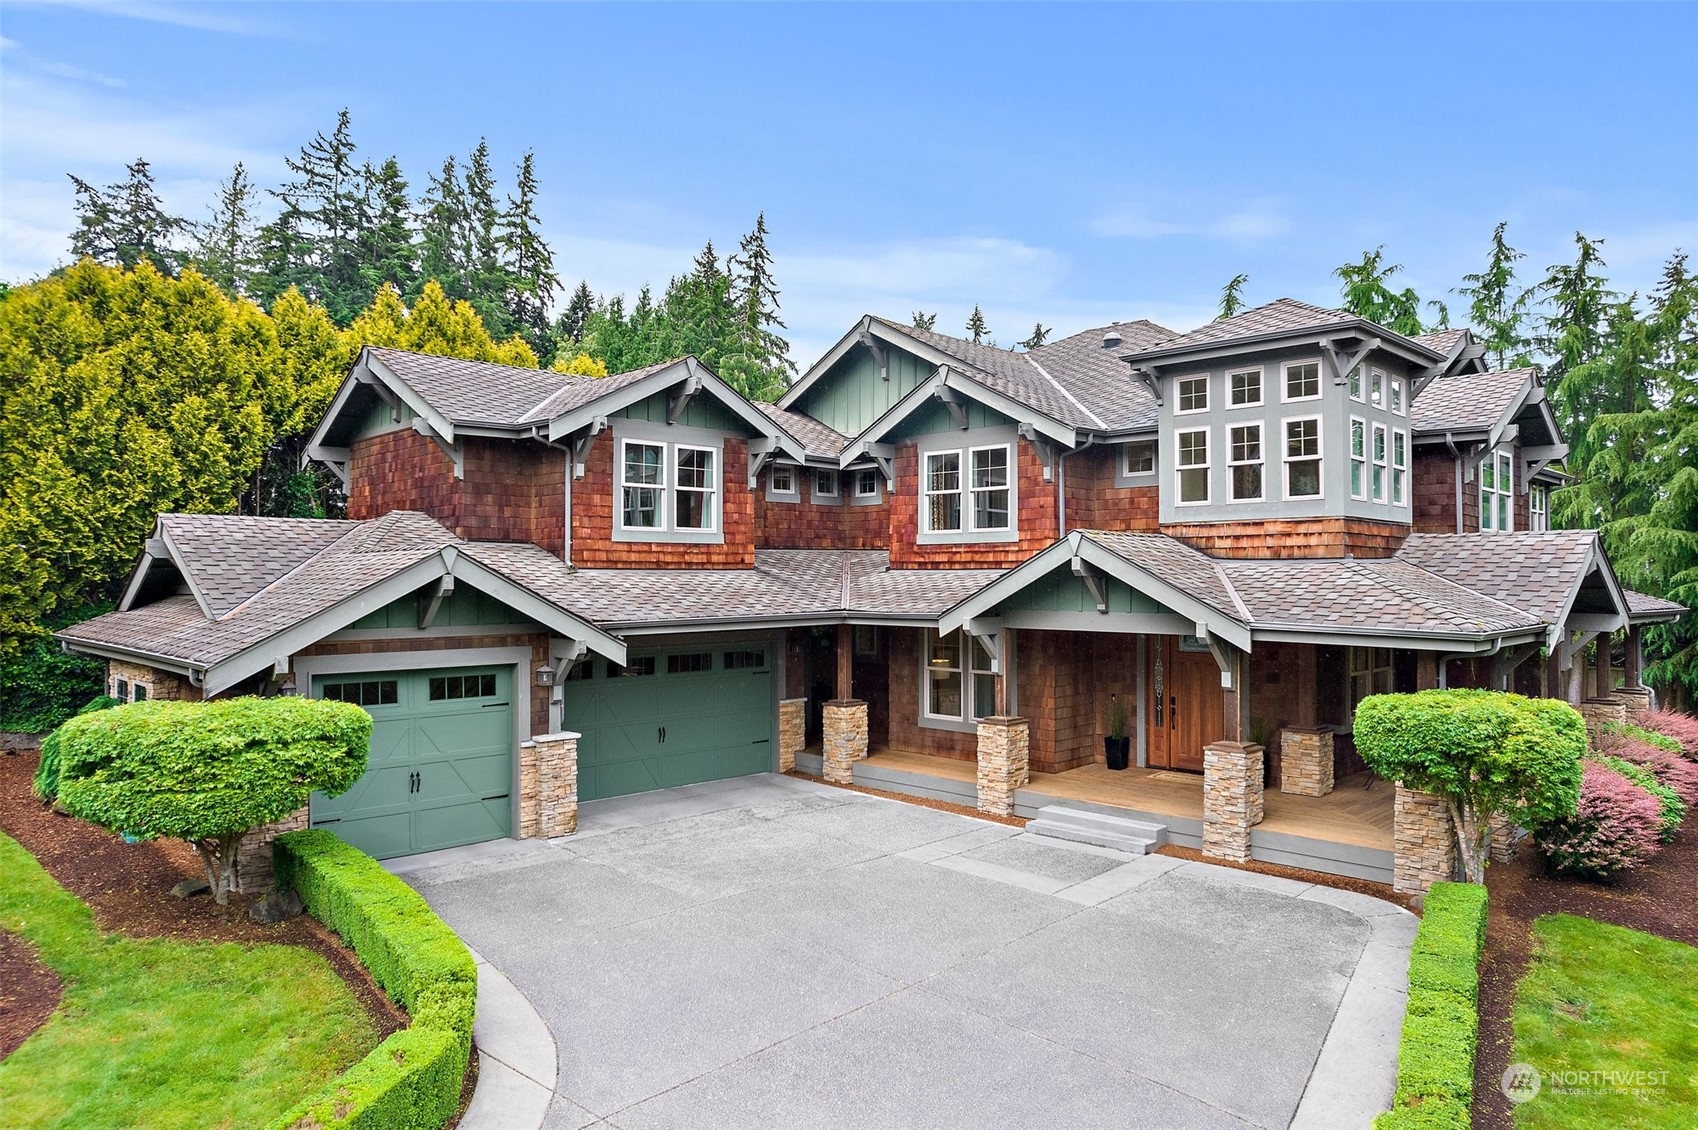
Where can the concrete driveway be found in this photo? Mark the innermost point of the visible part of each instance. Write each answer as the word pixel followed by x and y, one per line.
pixel 770 953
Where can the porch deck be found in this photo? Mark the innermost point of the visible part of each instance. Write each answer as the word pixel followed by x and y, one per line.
pixel 1347 832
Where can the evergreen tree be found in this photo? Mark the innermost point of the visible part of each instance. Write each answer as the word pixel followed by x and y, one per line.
pixel 487 280
pixel 1580 302
pixel 1232 296
pixel 1367 294
pixel 976 328
pixel 762 367
pixel 126 223
pixel 1497 310
pixel 443 234
pixel 924 321
pixel 324 221
pixel 569 327
pixel 1040 333
pixel 228 253
pixel 389 247
pixel 529 263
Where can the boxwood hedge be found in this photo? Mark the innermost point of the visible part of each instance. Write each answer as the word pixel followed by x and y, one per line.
pixel 1435 1058
pixel 412 1080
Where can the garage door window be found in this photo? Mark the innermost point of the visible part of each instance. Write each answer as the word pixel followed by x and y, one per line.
pixel 745 660
pixel 369 692
pixel 689 662
pixel 444 687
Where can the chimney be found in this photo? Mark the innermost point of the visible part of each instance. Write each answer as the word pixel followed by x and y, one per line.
pixel 1112 339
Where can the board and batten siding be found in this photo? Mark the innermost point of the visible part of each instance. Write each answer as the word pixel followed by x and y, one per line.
pixel 853 395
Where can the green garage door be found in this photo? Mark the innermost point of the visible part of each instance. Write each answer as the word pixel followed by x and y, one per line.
pixel 441 767
pixel 669 718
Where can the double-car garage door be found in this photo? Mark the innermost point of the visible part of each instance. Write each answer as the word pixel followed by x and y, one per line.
pixel 441 769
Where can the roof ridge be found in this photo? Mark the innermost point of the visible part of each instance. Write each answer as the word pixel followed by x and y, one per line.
pixel 359 528
pixel 1424 571
pixel 1061 388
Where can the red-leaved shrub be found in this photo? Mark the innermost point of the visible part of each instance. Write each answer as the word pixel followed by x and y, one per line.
pixel 1683 728
pixel 1617 827
pixel 1671 769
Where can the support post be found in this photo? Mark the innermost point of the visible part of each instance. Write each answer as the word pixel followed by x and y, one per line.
pixel 1424 842
pixel 1633 665
pixel 1426 670
pixel 548 786
pixel 845 662
pixel 1004 758
pixel 792 732
pixel 1232 799
pixel 845 740
pixel 1305 760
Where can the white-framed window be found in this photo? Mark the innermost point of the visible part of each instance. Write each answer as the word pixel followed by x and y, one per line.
pixel 941 486
pixel 1399 467
pixel 1193 395
pixel 1395 394
pixel 968 493
pixel 959 685
pixel 668 488
pixel 1538 507
pixel 1376 388
pixel 1303 458
pixel 825 484
pixel 1358 458
pixel 989 487
pixel 866 482
pixel 1497 492
pixel 1301 380
pixel 1244 462
pixel 1370 673
pixel 1380 461
pixel 781 479
pixel 1244 387
pixel 1191 467
pixel 1355 382
pixel 1138 458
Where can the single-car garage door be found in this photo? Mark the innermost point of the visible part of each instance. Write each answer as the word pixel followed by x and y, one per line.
pixel 441 767
pixel 671 717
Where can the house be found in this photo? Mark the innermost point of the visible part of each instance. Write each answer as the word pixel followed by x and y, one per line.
pixel 960 560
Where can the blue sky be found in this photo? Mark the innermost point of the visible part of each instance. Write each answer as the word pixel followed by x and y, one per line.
pixel 1069 164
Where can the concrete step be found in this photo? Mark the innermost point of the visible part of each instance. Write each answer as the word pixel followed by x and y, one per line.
pixel 1081 827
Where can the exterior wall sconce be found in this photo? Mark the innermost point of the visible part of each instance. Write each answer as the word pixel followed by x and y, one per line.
pixel 544 675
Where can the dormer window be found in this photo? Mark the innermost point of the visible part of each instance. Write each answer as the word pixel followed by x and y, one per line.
pixel 1193 394
pixel 1245 387
pixel 1302 380
pixel 968 493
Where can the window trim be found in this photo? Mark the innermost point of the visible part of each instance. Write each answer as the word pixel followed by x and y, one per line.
pixel 1400 467
pixel 1285 368
pixel 1395 399
pixel 1356 385
pixel 861 474
pixel 1261 387
pixel 819 492
pixel 1538 507
pixel 1232 461
pixel 662 509
pixel 1358 488
pixel 1379 459
pixel 963 445
pixel 670 438
pixel 794 494
pixel 711 510
pixel 1352 671
pixel 1508 457
pixel 966 659
pixel 1377 388
pixel 1124 476
pixel 1286 458
pixel 1206 466
pixel 969 491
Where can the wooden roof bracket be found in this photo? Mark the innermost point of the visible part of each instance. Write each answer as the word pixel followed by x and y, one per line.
pixel 989 634
pixel 363 375
pixel 581 444
pixel 1045 449
pixel 1343 364
pixel 883 454
pixel 679 398
pixel 430 602
pixel 1222 651
pixel 1150 381
pixel 1094 581
pixel 760 454
pixel 450 448
pixel 878 350
pixel 951 400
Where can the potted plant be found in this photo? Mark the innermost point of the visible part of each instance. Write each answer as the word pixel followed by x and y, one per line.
pixel 1117 746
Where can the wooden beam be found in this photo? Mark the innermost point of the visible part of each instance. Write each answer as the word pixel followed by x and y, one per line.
pixel 846 662
pixel 430 603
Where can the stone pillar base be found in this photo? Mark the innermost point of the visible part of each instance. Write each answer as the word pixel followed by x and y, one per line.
pixel 1005 745
pixel 1232 799
pixel 253 854
pixel 1305 761
pixel 1424 842
pixel 1636 700
pixel 845 739
pixel 548 786
pixel 792 731
pixel 1506 839
pixel 1601 712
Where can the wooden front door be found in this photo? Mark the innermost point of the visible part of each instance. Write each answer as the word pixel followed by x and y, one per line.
pixel 1186 710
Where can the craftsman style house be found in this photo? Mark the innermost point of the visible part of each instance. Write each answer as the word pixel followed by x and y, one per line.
pixel 972 565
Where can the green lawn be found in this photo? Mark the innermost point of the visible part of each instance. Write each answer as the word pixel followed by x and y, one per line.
pixel 166 1034
pixel 1600 999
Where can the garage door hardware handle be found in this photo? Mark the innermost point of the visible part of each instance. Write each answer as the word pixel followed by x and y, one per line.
pixel 493 705
pixel 760 741
pixel 412 782
pixel 663 733
pixel 503 796
pixel 332 820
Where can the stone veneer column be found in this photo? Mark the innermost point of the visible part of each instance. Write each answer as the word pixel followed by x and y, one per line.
pixel 1305 760
pixel 792 731
pixel 1232 798
pixel 1601 712
pixel 1005 745
pixel 845 739
pixel 1636 700
pixel 1506 838
pixel 253 854
pixel 1424 842
pixel 548 786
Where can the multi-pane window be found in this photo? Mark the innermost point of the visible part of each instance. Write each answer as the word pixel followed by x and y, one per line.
pixel 1302 380
pixel 781 478
pixel 1395 387
pixel 943 491
pixel 1399 467
pixel 1194 394
pixel 1191 465
pixel 990 488
pixel 138 692
pixel 635 667
pixel 1497 491
pixel 866 483
pixel 1355 380
pixel 1370 673
pixel 1245 462
pixel 745 659
pixel 444 687
pixel 643 485
pixel 666 486
pixel 367 692
pixel 1138 457
pixel 1245 387
pixel 988 502
pixel 121 690
pixel 1376 387
pixel 825 484
pixel 1303 458
pixel 953 691
pixel 1358 458
pixel 1380 455
pixel 1538 508
pixel 697 484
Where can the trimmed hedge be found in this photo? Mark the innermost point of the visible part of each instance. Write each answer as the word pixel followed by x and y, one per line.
pixel 1435 1058
pixel 412 1080
pixel 46 780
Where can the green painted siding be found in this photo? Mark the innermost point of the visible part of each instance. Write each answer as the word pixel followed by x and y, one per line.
pixel 1061 591
pixel 852 395
pixel 381 417
pixel 703 411
pixel 934 418
pixel 464 608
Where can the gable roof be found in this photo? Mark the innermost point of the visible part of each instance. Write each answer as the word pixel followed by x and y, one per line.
pixel 820 439
pixel 1550 573
pixel 1642 608
pixel 1471 401
pixel 1281 318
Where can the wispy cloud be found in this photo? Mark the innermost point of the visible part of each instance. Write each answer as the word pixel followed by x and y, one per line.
pixel 225 18
pixel 1254 222
pixel 16 56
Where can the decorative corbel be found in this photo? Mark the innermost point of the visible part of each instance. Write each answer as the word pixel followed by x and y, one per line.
pixel 679 398
pixel 1223 653
pixel 1094 581
pixel 1045 450
pixel 952 401
pixel 989 634
pixel 877 349
pixel 884 454
pixel 581 445
pixel 1343 364
pixel 449 447
pixel 1151 381
pixel 430 603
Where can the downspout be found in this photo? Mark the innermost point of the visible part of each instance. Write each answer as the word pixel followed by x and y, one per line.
pixel 566 514
pixel 1445 658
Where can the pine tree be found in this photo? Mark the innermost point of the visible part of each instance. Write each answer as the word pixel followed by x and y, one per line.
pixel 389 248
pixel 924 321
pixel 976 327
pixel 1040 333
pixel 1366 294
pixel 228 253
pixel 326 216
pixel 1232 296
pixel 529 263
pixel 762 368
pixel 443 234
pixel 126 223
pixel 1497 310
pixel 487 280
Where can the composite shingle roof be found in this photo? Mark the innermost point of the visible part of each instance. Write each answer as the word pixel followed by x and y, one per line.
pixel 1282 315
pixel 481 392
pixel 1537 572
pixel 230 557
pixel 1470 401
pixel 1645 606
pixel 1097 376
pixel 820 439
pixel 1439 341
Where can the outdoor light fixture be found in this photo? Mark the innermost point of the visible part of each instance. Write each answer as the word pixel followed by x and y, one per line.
pixel 544 675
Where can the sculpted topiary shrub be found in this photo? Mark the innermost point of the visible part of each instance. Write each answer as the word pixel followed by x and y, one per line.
pixel 1616 827
pixel 208 772
pixel 1483 752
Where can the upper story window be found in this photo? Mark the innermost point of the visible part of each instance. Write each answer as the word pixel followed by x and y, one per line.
pixel 1538 508
pixel 1355 382
pixel 980 501
pixel 1497 492
pixel 1302 380
pixel 825 484
pixel 1399 467
pixel 1245 462
pixel 1191 466
pixel 1244 387
pixel 1303 458
pixel 1380 462
pixel 1394 389
pixel 1358 458
pixel 1376 388
pixel 1193 394
pixel 1138 458
pixel 668 487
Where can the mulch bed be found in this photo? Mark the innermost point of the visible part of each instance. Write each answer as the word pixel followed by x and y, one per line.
pixel 129 888
pixel 29 992
pixel 1660 898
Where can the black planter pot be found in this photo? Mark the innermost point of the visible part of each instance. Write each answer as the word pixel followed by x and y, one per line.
pixel 1118 751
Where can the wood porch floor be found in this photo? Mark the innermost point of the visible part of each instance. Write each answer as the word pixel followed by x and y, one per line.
pixel 1350 814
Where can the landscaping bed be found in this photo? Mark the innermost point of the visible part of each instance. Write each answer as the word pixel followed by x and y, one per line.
pixel 29 992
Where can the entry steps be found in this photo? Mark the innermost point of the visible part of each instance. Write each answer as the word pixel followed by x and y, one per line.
pixel 1134 836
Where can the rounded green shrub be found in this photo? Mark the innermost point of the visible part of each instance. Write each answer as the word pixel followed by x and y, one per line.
pixel 46 781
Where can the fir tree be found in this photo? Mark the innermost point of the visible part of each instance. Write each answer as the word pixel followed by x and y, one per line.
pixel 1580 304
pixel 389 247
pixel 443 234
pixel 924 321
pixel 1040 333
pixel 762 367
pixel 1232 296
pixel 569 327
pixel 529 263
pixel 1497 309
pixel 126 223
pixel 228 253
pixel 486 278
pixel 976 328
pixel 1367 294
pixel 325 210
